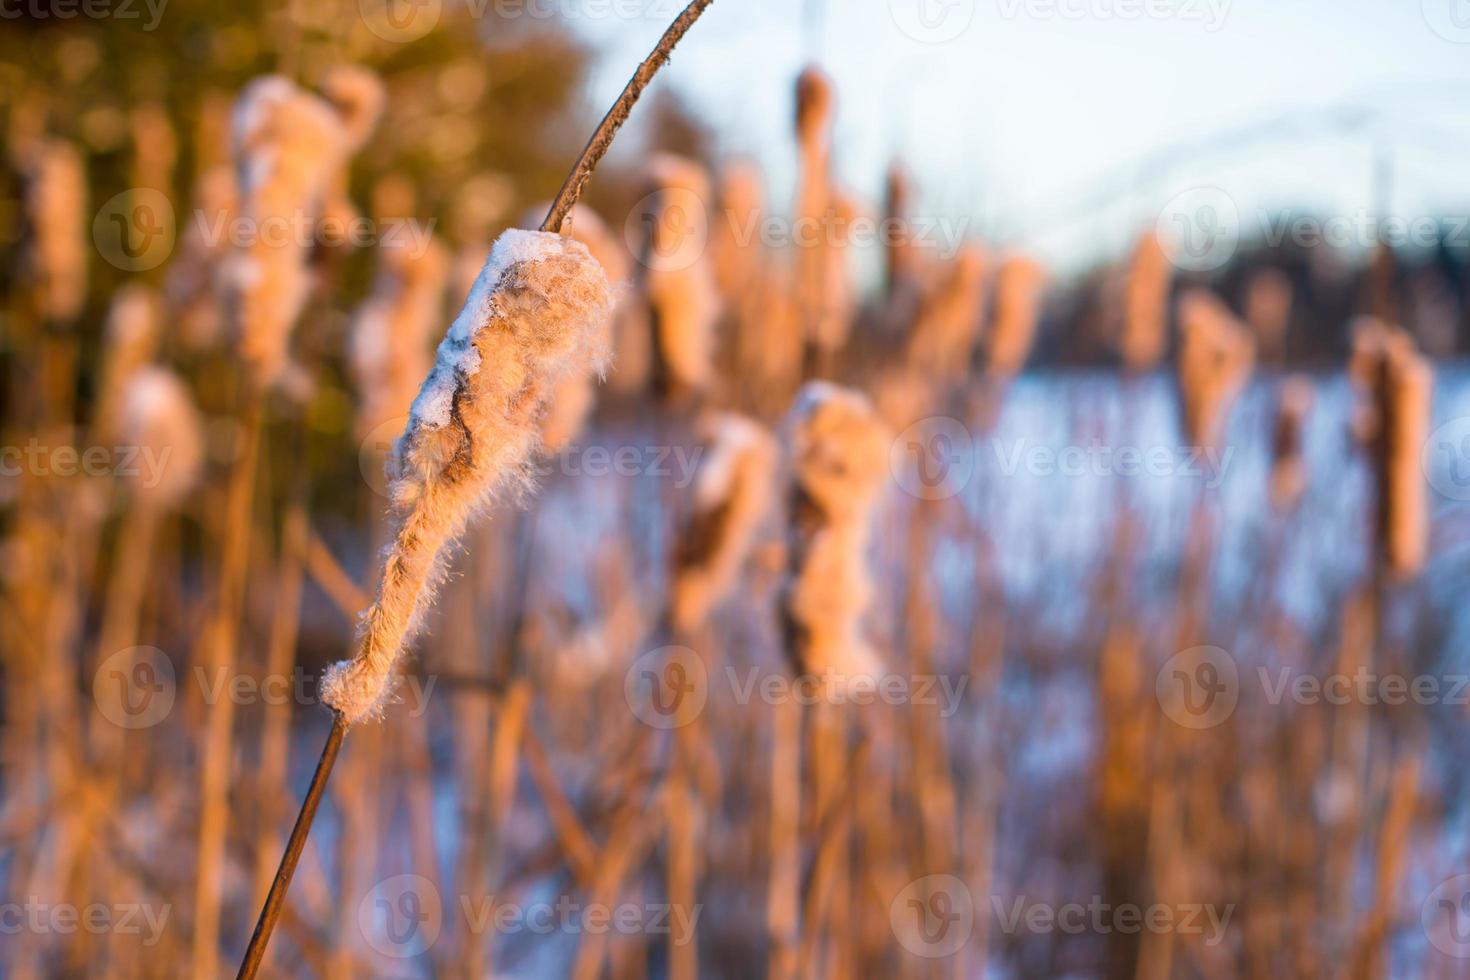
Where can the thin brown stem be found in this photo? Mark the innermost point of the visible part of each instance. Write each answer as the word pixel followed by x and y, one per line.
pixel 601 140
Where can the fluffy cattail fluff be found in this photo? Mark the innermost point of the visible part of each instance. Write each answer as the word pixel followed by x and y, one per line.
pixel 289 145
pixel 56 202
pixel 1216 355
pixel 678 278
pixel 533 317
pixel 1018 294
pixel 1144 330
pixel 1403 392
pixel 191 285
pixel 1268 300
pixel 1288 463
pixel 159 418
pixel 732 498
pixel 389 347
pixel 838 448
pixel 576 394
pixel 131 337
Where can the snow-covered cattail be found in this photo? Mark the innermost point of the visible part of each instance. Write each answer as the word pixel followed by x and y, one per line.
pixel 678 278
pixel 1018 293
pixel 130 341
pixel 838 449
pixel 1216 355
pixel 533 317
pixel 56 202
pixel 1268 299
pixel 158 417
pixel 947 326
pixel 733 496
pixel 1144 329
pixel 392 330
pixel 1288 463
pixel 289 145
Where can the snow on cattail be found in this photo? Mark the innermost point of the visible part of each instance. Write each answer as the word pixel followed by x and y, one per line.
pixel 1268 300
pixel 733 495
pixel 533 317
pixel 389 344
pixel 1216 355
pixel 678 278
pixel 1018 295
pixel 159 418
pixel 1144 330
pixel 1288 462
pixel 838 450
pixel 56 201
pixel 289 145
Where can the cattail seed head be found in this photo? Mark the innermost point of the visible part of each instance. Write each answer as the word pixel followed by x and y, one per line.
pixel 679 280
pixel 358 95
pixel 56 201
pixel 158 417
pixel 1216 355
pixel 533 317
pixel 1145 306
pixel 1018 295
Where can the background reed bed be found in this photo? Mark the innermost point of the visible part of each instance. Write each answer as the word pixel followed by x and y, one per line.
pixel 954 619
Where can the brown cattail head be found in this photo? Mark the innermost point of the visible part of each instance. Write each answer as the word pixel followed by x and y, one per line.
pixel 1216 355
pixel 1288 463
pixel 389 345
pixel 1145 306
pixel 289 145
pixel 131 338
pixel 948 323
pixel 1404 395
pixel 838 450
pixel 678 278
pixel 1268 300
pixel 1018 294
pixel 733 496
pixel 815 104
pixel 533 317
pixel 56 202
pixel 159 419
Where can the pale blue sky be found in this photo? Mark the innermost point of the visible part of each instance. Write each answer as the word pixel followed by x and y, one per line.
pixel 1032 116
